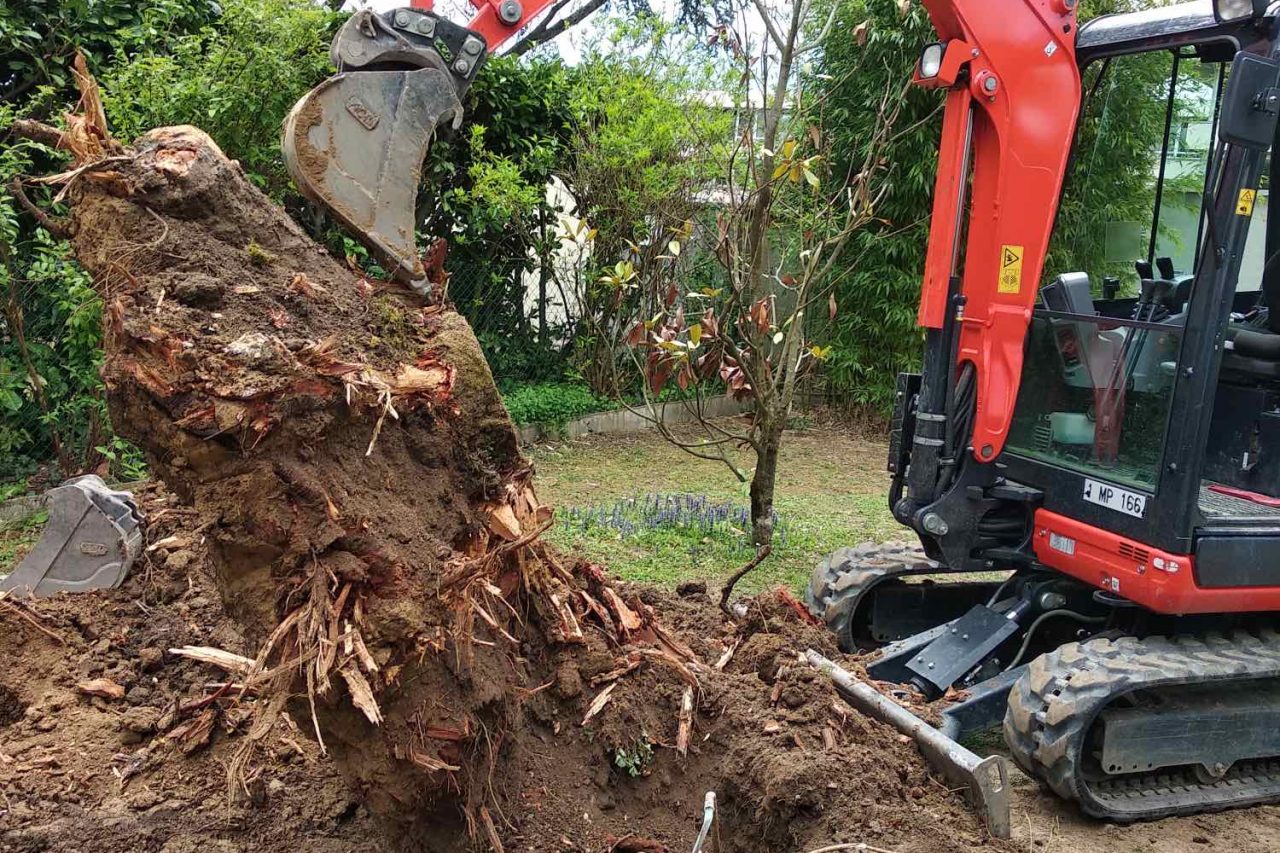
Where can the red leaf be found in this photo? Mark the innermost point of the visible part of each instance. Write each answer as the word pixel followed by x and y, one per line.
pixel 636 336
pixel 710 325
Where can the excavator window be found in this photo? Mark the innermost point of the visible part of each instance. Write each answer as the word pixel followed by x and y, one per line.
pixel 1101 363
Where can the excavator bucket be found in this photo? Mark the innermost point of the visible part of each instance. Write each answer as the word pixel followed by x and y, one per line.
pixel 355 144
pixel 91 539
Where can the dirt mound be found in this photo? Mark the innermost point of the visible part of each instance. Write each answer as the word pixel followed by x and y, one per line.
pixel 102 754
pixel 349 629
pixel 792 766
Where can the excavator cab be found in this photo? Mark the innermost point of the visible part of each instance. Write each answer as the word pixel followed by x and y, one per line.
pixel 1090 454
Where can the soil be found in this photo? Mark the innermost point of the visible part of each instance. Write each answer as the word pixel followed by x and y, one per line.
pixel 84 772
pixel 345 633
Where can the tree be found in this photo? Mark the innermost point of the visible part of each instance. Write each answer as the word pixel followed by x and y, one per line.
pixel 647 140
pixel 784 221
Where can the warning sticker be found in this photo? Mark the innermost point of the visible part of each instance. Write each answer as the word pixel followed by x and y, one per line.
pixel 1244 206
pixel 1010 269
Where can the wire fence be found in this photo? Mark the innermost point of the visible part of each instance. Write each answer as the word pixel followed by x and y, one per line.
pixel 520 318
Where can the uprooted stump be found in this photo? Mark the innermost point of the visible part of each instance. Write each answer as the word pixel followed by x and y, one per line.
pixel 371 519
pixel 361 501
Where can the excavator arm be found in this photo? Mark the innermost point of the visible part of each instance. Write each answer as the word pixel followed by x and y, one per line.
pixel 355 144
pixel 1013 98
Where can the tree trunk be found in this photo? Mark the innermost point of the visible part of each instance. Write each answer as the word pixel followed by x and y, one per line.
pixel 763 482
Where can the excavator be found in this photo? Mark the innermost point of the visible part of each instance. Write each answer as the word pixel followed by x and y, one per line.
pixel 1089 454
pixel 1090 460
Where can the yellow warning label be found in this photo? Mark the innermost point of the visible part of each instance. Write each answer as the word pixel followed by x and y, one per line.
pixel 1010 270
pixel 1244 207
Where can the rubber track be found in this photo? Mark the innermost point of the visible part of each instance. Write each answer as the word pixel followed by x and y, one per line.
pixel 839 580
pixel 1054 704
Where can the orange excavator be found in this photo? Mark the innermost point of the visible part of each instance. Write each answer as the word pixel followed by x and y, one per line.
pixel 1089 455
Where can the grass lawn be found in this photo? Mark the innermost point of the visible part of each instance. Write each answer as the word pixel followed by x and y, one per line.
pixel 17 539
pixel 831 492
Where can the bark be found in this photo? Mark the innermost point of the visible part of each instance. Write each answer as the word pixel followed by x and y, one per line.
pixel 763 483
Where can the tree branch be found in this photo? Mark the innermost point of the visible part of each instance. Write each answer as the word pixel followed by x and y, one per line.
pixel 727 589
pixel 548 28
pixel 37 131
pixel 59 228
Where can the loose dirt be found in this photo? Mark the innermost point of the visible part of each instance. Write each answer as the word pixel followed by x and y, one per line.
pixel 792 766
pixel 346 633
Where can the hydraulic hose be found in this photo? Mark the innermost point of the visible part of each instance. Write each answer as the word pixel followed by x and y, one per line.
pixel 1026 642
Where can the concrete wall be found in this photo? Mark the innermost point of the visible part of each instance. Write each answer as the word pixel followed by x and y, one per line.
pixel 623 421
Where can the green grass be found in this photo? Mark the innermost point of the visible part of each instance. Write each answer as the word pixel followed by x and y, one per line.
pixel 17 539
pixel 831 493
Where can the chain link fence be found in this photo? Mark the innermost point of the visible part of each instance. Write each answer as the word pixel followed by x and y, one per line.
pixel 53 422
pixel 521 317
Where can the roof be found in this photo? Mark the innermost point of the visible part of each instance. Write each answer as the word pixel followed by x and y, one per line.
pixel 1181 23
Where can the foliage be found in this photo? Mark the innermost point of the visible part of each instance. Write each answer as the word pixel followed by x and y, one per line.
pixel 553 403
pixel 38 38
pixel 696 513
pixel 485 192
pixel 648 142
pixel 634 760
pixel 236 79
pixel 50 347
pixel 874 334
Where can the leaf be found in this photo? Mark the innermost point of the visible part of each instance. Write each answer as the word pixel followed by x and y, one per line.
pixel 695 333
pixel 674 248
pixel 831 307
pixel 780 170
pixel 789 149
pixel 777 337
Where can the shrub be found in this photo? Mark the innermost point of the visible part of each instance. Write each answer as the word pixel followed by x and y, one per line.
pixel 553 403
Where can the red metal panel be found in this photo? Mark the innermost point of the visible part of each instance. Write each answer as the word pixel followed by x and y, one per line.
pixel 1025 90
pixel 486 22
pixel 1158 580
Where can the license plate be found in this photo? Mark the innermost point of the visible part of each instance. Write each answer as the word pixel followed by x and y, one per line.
pixel 1116 498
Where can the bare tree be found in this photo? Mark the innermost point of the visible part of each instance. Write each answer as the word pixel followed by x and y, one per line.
pixel 782 225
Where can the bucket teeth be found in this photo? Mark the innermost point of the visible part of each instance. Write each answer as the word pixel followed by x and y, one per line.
pixel 356 144
pixel 91 539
